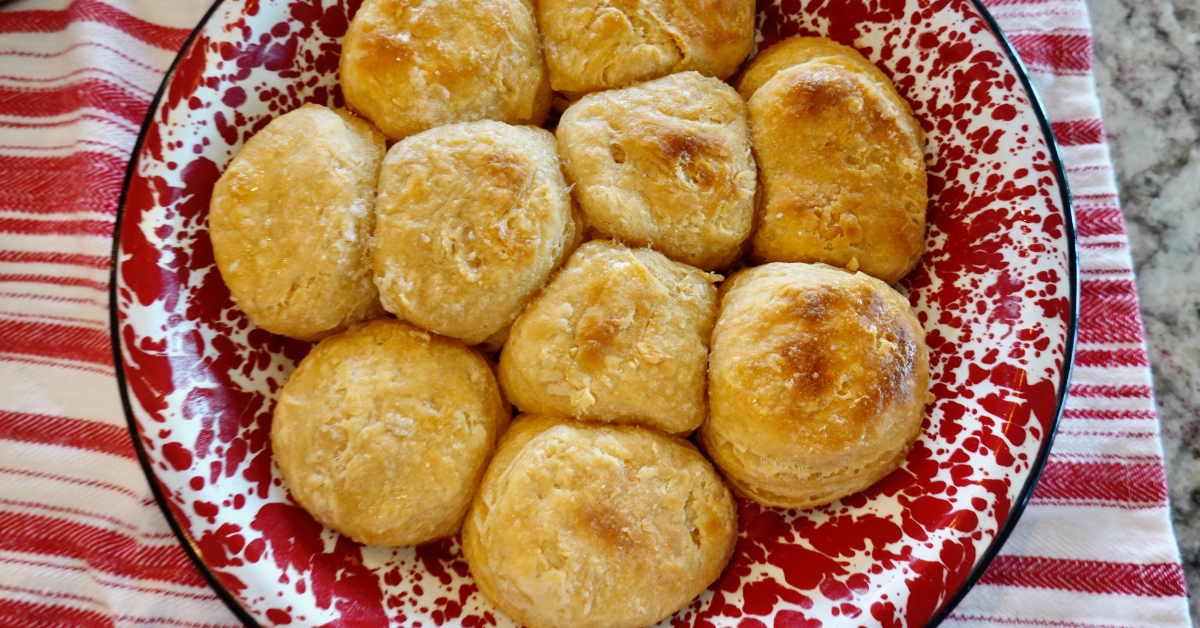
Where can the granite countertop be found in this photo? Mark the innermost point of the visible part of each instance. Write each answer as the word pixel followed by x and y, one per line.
pixel 1148 77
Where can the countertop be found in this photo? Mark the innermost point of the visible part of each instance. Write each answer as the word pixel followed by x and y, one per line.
pixel 1148 77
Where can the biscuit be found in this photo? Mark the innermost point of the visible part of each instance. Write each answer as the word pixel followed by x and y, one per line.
pixel 664 164
pixel 842 172
pixel 295 257
pixel 384 431
pixel 817 384
pixel 592 45
pixel 591 525
pixel 619 335
pixel 797 50
pixel 410 65
pixel 472 219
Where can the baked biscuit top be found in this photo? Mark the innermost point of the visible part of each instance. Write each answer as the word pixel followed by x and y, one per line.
pixel 410 66
pixel 592 45
pixel 664 164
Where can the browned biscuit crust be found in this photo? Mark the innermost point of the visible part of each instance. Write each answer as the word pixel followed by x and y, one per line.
pixel 410 65
pixel 619 335
pixel 589 525
pixel 472 219
pixel 295 257
pixel 843 172
pixel 664 164
pixel 817 383
pixel 797 50
pixel 593 46
pixel 384 431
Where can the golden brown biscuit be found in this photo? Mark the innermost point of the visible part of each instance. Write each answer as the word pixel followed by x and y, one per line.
pixel 410 65
pixel 592 45
pixel 619 335
pixel 796 50
pixel 586 525
pixel 843 172
pixel 817 384
pixel 664 164
pixel 383 432
pixel 295 256
pixel 472 219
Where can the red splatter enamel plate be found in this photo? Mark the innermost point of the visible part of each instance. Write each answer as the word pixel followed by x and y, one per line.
pixel 996 293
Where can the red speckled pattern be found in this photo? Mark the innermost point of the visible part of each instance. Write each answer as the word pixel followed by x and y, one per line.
pixel 992 292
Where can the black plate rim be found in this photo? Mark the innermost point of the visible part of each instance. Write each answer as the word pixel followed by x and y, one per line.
pixel 981 565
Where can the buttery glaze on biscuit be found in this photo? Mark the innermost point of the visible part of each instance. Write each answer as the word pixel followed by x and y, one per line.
pixel 592 45
pixel 664 164
pixel 843 172
pixel 817 384
pixel 472 219
pixel 587 525
pixel 619 335
pixel 384 431
pixel 410 65
pixel 295 257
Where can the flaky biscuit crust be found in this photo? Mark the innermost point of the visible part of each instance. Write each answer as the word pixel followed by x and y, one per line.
pixel 384 431
pixel 843 171
pixel 472 219
pixel 593 46
pixel 817 383
pixel 411 65
pixel 664 164
pixel 295 257
pixel 797 50
pixel 587 525
pixel 619 335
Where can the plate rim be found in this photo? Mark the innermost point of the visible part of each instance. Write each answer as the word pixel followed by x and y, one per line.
pixel 114 329
pixel 1039 463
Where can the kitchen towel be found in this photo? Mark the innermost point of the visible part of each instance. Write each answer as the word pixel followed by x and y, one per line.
pixel 82 542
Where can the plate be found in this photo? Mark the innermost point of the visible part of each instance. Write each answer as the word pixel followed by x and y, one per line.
pixel 996 292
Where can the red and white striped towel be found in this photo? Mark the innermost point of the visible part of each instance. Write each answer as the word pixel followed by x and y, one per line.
pixel 82 542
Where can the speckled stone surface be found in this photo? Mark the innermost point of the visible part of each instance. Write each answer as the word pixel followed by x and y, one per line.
pixel 1148 77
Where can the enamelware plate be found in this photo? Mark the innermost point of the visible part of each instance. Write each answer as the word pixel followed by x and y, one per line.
pixel 996 293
